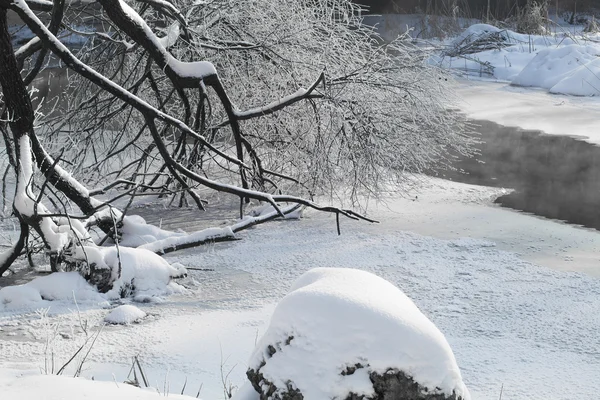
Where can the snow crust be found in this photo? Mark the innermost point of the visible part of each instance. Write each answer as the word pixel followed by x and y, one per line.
pixel 340 317
pixel 125 315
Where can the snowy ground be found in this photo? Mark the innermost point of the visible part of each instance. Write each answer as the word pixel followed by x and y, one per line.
pixel 511 324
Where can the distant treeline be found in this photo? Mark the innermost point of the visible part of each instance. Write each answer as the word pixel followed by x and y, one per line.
pixel 499 9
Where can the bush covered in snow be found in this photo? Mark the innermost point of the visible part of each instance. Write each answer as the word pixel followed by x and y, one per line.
pixel 345 333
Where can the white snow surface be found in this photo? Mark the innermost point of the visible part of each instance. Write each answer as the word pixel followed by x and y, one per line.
pixel 41 292
pixel 339 317
pixel 124 315
pixel 583 81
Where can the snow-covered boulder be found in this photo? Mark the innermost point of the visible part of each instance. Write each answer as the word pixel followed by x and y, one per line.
pixel 125 271
pixel 125 315
pixel 348 334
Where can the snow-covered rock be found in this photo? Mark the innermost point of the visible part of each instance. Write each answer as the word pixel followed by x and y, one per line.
pixel 125 315
pixel 477 31
pixel 143 273
pixel 342 333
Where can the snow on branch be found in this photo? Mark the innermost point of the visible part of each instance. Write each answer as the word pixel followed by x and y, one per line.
pixel 212 235
pixel 188 74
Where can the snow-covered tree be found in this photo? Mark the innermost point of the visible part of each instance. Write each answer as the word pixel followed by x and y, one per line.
pixel 276 101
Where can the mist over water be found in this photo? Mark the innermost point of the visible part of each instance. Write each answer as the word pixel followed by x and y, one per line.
pixel 553 176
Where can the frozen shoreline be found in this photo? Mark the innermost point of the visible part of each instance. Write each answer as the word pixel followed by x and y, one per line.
pixel 529 108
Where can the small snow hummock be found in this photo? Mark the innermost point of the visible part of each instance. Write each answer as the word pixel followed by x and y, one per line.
pixel 136 232
pixel 125 315
pixel 335 319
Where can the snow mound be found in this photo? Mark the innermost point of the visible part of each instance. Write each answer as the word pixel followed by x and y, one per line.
pixel 143 273
pixel 63 286
pixel 475 32
pixel 125 315
pixel 136 232
pixel 583 81
pixel 337 318
pixel 550 66
pixel 19 297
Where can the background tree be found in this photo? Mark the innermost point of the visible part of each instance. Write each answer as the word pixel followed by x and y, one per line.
pixel 290 100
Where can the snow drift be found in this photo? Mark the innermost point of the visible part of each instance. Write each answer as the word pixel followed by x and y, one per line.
pixel 552 66
pixel 339 326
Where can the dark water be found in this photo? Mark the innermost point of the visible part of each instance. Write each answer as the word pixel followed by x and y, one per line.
pixel 556 177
